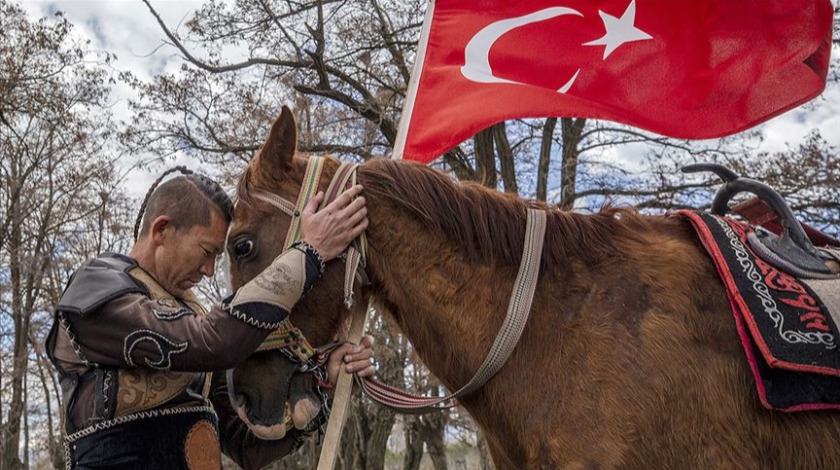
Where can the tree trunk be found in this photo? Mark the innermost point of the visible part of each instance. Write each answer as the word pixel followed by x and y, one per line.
pixel 485 158
pixel 507 164
pixel 484 453
pixel 55 448
pixel 11 438
pixel 572 130
pixel 545 158
pixel 25 421
pixel 413 443
pixel 434 433
pixel 379 421
pixel 380 424
pixel 2 421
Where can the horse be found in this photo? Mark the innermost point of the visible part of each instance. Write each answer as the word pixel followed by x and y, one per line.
pixel 630 357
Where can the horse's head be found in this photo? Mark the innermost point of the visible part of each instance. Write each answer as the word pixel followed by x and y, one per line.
pixel 261 387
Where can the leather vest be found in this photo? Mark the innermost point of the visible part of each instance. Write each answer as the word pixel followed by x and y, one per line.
pixel 112 392
pixel 140 389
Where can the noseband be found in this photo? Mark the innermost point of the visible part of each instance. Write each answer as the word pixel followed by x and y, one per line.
pixel 287 337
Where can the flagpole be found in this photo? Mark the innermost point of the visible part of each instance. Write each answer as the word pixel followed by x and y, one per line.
pixel 343 391
pixel 408 106
pixel 344 387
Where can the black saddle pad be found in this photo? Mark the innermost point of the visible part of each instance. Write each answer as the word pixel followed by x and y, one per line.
pixel 788 334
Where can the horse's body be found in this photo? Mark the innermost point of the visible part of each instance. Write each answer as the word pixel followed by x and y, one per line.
pixel 630 358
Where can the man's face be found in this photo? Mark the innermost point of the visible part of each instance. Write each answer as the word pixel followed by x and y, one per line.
pixel 187 255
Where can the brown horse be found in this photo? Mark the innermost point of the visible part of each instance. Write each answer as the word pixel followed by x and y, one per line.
pixel 630 358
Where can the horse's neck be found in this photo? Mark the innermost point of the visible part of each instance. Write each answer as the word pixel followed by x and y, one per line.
pixel 443 305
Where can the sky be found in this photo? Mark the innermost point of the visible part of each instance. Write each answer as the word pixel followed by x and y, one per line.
pixel 127 29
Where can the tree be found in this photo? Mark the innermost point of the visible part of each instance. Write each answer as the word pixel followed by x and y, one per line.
pixel 808 178
pixel 54 123
pixel 346 66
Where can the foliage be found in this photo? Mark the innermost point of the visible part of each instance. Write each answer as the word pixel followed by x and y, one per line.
pixel 59 205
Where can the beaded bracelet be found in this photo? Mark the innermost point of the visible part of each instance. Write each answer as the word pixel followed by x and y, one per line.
pixel 308 250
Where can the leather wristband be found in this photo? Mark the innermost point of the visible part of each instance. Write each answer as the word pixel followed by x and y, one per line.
pixel 312 254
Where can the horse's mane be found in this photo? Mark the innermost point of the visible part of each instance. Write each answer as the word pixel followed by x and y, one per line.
pixel 489 226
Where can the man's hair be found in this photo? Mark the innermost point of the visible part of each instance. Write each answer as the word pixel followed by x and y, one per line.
pixel 187 200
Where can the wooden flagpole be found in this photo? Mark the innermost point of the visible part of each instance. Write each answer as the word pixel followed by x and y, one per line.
pixel 413 83
pixel 343 391
pixel 344 385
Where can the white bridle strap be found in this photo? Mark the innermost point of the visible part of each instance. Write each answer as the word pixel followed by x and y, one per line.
pixel 287 207
pixel 344 178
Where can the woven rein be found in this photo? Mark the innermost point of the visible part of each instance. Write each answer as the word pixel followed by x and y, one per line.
pixel 287 337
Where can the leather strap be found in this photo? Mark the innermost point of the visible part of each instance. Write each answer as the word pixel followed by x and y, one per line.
pixel 344 177
pixel 517 316
pixel 307 191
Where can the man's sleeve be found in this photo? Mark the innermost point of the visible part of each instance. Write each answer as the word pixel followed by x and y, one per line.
pixel 123 327
pixel 135 331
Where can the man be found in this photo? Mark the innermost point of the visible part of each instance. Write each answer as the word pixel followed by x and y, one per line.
pixel 133 345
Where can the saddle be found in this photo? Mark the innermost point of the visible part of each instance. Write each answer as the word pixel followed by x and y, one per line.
pixel 779 239
pixel 772 245
pixel 784 292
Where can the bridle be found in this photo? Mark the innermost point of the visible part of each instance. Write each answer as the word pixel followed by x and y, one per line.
pixel 290 340
pixel 287 337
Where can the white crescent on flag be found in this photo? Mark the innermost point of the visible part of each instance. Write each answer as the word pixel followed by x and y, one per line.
pixel 477 52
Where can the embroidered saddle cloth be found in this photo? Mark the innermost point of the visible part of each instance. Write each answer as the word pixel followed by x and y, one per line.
pixel 786 325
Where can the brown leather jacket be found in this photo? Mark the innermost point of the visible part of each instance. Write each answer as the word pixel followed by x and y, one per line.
pixel 143 349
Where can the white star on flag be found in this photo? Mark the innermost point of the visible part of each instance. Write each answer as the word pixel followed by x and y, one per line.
pixel 619 30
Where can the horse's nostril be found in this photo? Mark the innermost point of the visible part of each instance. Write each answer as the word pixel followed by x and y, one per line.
pixel 240 401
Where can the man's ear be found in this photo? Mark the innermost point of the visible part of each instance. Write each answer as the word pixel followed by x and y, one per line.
pixel 161 227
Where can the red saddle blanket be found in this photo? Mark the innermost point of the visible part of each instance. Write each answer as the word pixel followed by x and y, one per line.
pixel 788 333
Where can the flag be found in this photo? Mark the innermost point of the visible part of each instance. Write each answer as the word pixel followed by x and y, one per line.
pixel 682 68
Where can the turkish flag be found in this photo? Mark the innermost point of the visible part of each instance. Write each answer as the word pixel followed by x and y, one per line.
pixel 683 68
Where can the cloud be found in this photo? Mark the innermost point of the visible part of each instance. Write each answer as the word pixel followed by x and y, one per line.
pixel 128 30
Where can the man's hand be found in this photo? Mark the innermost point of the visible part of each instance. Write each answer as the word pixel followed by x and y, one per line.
pixel 331 229
pixel 356 359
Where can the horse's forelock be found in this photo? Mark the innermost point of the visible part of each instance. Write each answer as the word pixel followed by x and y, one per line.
pixel 260 175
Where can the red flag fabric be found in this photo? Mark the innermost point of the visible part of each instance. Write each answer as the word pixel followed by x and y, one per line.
pixel 682 68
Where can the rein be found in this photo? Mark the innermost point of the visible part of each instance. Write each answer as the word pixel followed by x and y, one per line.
pixel 287 337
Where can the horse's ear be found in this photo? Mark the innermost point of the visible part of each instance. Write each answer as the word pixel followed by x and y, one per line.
pixel 281 145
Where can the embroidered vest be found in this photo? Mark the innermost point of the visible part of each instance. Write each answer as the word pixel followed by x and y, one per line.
pixel 140 389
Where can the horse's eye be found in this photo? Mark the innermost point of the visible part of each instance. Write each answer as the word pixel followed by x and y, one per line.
pixel 243 249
